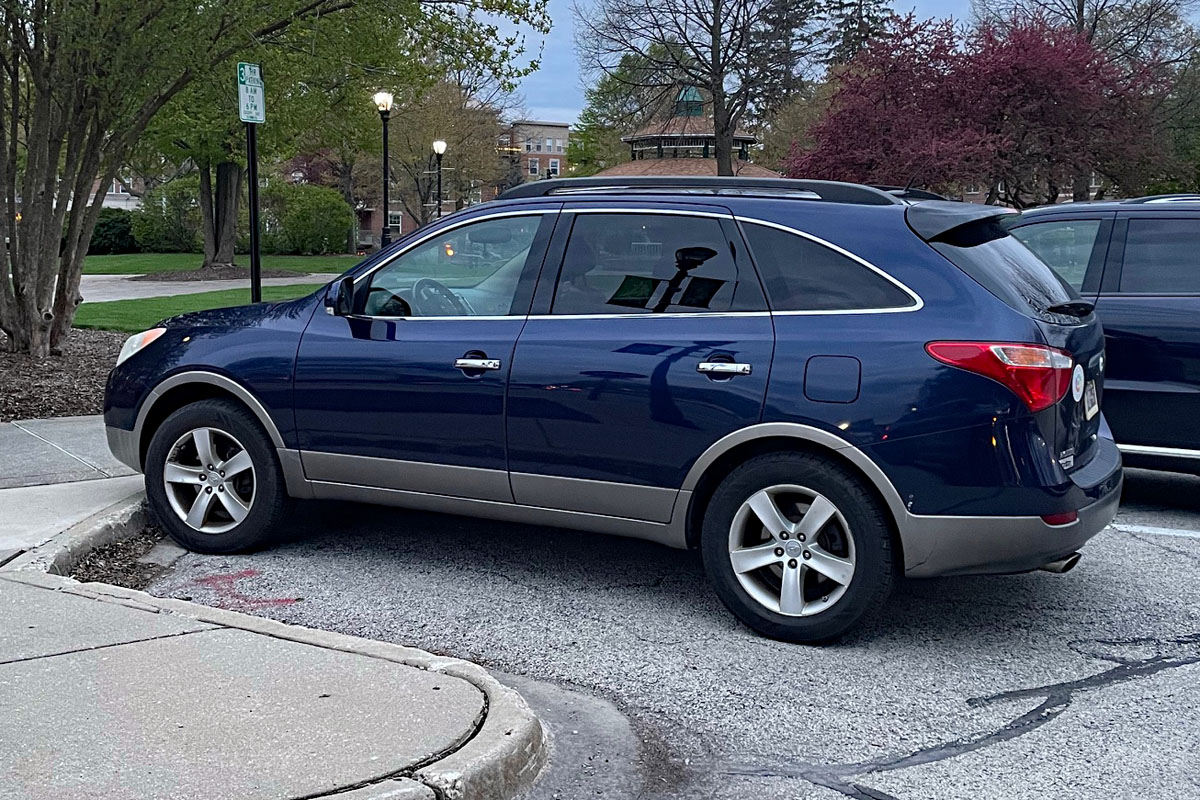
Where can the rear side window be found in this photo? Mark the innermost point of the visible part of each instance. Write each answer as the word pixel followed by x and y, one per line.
pixel 1066 245
pixel 986 251
pixel 1162 256
pixel 645 263
pixel 803 275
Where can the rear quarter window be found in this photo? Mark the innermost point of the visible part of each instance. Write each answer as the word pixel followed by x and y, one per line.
pixel 1065 245
pixel 804 275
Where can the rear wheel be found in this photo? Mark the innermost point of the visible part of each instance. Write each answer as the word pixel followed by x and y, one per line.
pixel 797 548
pixel 213 479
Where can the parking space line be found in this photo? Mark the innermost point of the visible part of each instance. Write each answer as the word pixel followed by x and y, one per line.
pixel 1127 527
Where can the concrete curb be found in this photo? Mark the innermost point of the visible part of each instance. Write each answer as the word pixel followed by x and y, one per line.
pixel 501 758
pixel 57 556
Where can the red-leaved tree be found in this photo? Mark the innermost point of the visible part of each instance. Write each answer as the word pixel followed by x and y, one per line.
pixel 1020 109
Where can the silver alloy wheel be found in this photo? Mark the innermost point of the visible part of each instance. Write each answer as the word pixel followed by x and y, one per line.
pixel 791 550
pixel 210 481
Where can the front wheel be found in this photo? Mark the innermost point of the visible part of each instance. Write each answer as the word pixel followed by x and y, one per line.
pixel 213 479
pixel 797 548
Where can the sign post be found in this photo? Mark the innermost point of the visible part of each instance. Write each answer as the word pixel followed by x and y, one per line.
pixel 252 112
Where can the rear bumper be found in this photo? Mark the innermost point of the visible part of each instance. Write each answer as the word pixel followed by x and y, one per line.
pixel 950 545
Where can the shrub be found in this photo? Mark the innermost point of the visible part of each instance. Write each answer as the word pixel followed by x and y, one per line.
pixel 169 219
pixel 305 219
pixel 113 233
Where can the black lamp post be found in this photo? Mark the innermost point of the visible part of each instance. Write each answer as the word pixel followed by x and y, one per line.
pixel 439 150
pixel 383 101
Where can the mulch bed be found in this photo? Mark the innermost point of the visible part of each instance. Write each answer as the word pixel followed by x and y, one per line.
pixel 223 273
pixel 117 563
pixel 59 386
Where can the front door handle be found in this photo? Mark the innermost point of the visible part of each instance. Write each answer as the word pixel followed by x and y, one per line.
pixel 723 368
pixel 477 363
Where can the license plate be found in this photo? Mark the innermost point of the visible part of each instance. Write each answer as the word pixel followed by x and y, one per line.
pixel 1091 406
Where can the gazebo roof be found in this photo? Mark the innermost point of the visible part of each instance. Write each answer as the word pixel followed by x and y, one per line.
pixel 684 126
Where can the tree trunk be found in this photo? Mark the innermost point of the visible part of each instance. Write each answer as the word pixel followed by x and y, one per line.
pixel 1081 188
pixel 219 212
pixel 723 134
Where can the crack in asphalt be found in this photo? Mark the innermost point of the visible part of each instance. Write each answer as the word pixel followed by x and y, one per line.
pixel 1057 698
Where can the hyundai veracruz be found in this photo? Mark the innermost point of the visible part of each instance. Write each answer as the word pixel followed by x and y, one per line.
pixel 821 386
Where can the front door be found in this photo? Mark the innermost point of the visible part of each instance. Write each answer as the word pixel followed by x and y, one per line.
pixel 651 343
pixel 408 392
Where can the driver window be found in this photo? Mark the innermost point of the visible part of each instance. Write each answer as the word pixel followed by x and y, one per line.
pixel 472 270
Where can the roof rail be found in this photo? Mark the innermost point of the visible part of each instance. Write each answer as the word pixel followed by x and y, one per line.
pixel 831 191
pixel 1164 198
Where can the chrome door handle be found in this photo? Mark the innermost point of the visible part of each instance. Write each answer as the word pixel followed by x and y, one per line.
pixel 477 363
pixel 723 368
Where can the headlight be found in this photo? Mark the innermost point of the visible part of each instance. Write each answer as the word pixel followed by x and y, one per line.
pixel 136 342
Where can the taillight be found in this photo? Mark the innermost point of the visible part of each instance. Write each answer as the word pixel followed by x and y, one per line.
pixel 1039 375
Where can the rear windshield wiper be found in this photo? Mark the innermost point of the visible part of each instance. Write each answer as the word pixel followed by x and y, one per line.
pixel 1073 308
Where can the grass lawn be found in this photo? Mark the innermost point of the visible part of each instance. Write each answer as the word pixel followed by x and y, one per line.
pixel 139 263
pixel 138 315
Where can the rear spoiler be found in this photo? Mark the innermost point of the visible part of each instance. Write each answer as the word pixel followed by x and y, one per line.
pixel 932 218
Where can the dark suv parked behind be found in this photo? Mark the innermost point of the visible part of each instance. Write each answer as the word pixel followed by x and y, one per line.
pixel 1139 262
pixel 819 385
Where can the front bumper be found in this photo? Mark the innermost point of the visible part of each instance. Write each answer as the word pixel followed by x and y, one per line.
pixel 125 446
pixel 949 545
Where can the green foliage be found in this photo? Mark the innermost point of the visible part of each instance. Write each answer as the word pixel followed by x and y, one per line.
pixel 113 233
pixel 305 220
pixel 169 219
pixel 132 316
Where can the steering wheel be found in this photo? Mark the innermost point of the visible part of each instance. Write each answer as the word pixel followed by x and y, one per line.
pixel 433 299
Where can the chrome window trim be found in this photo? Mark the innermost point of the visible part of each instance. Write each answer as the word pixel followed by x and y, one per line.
pixel 919 303
pixel 434 234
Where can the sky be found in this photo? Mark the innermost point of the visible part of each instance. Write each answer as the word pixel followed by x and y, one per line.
pixel 555 92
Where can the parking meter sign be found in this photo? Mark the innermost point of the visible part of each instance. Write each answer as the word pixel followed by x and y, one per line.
pixel 250 93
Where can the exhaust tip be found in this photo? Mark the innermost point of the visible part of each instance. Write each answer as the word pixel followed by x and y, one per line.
pixel 1062 565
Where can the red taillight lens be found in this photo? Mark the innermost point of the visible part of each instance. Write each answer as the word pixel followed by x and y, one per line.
pixel 1039 375
pixel 1065 518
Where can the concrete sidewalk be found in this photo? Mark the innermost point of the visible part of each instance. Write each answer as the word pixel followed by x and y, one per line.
pixel 54 473
pixel 102 288
pixel 109 693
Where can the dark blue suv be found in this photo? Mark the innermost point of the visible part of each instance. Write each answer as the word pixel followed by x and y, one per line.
pixel 821 386
pixel 1139 261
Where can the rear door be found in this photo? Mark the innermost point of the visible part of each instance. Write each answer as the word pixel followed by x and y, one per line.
pixel 649 341
pixel 1150 306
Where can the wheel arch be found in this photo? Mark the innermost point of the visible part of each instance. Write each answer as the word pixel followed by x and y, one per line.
pixel 727 453
pixel 185 388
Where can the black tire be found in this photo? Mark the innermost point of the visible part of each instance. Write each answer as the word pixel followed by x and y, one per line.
pixel 865 523
pixel 270 501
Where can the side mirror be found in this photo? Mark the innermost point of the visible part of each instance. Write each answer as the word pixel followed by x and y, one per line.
pixel 339 301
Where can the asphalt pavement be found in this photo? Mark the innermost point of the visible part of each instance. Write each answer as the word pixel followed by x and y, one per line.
pixel 1082 685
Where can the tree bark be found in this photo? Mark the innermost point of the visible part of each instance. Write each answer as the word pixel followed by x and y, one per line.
pixel 219 211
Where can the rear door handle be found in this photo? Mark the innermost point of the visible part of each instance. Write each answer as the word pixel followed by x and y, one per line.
pixel 477 363
pixel 723 368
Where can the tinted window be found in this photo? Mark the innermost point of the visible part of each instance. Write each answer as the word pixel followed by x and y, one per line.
pixel 645 263
pixel 1162 256
pixel 802 275
pixel 1065 245
pixel 472 270
pixel 1008 269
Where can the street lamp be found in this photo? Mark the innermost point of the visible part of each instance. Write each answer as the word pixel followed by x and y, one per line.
pixel 439 150
pixel 383 101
